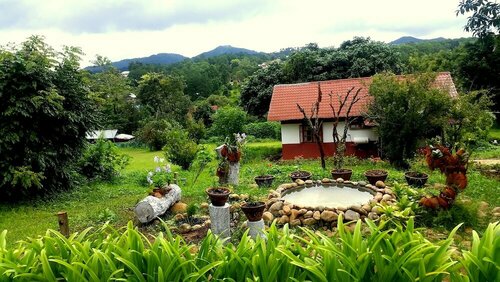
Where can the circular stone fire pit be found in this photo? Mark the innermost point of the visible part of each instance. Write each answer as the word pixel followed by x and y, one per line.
pixel 320 202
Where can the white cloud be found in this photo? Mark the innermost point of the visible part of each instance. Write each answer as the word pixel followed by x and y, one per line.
pixel 134 28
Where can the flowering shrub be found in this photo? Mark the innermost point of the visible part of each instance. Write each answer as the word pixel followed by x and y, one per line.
pixel 162 175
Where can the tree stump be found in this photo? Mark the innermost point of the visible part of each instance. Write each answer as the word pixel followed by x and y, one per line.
pixel 151 207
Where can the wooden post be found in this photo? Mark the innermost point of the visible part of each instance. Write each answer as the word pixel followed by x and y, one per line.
pixel 62 218
pixel 176 175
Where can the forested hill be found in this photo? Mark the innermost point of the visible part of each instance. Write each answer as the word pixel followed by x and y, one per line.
pixel 224 50
pixel 171 58
pixel 411 39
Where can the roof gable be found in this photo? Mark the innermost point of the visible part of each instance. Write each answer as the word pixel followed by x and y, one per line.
pixel 286 96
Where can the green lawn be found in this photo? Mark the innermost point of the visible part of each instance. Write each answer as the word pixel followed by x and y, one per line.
pixel 95 203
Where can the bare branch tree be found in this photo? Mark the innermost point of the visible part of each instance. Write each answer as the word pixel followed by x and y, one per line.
pixel 338 140
pixel 314 123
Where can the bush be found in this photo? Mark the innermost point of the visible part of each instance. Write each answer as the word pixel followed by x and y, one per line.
pixel 45 114
pixel 261 151
pixel 227 121
pixel 179 148
pixel 153 134
pixel 101 160
pixel 263 130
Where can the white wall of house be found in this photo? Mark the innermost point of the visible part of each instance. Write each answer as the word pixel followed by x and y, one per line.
pixel 353 135
pixel 290 133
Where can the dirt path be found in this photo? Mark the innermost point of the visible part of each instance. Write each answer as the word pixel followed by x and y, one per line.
pixel 488 161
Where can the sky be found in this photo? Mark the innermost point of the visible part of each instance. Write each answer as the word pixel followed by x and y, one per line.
pixel 120 29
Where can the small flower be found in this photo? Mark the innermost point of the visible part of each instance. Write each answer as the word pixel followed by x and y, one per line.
pixel 168 168
pixel 158 169
pixel 156 159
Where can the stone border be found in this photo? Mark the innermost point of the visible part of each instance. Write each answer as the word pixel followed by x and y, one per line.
pixel 297 215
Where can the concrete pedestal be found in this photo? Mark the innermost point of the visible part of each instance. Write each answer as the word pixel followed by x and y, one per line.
pixel 220 220
pixel 256 228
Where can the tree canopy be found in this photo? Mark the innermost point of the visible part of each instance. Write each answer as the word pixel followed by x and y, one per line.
pixel 45 114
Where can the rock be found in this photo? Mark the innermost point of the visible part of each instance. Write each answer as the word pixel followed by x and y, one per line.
pixel 300 182
pixel 340 180
pixel 351 215
pixel 267 217
pixel 308 214
pixel 483 205
pixel 317 215
pixel 386 197
pixel 178 217
pixel 378 197
pixel 294 214
pixel 205 217
pixel 207 222
pixel 341 208
pixel 204 205
pixel 309 221
pixel 284 219
pixel 302 211
pixel 287 210
pixel 184 228
pixel 496 215
pixel 234 197
pixel 325 180
pixel 367 207
pixel 380 184
pixel 253 185
pixel 320 208
pixel 328 216
pixel 373 216
pixel 362 183
pixel 496 210
pixel 244 197
pixel 275 208
pixel 308 182
pixel 355 183
pixel 295 222
pixel 179 207
pixel 294 184
pixel 356 207
pixel 376 209
pixel 388 191
pixel 196 227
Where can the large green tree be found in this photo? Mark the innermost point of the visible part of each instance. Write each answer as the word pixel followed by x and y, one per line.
pixel 162 96
pixel 45 113
pixel 407 111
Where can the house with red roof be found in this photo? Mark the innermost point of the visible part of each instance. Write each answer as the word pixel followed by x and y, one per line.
pixel 297 138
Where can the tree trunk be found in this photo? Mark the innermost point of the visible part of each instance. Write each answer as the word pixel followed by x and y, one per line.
pixel 234 173
pixel 151 207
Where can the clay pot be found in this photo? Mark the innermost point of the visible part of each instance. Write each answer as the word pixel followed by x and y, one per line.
pixel 253 210
pixel 343 173
pixel 218 195
pixel 374 175
pixel 264 180
pixel 300 174
pixel 416 179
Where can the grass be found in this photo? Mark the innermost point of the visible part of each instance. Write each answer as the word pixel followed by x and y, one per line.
pixel 92 204
pixel 494 133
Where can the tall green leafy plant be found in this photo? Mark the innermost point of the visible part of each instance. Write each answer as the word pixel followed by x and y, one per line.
pixel 46 113
pixel 407 110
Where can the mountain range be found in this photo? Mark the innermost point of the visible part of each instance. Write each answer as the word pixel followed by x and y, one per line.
pixel 170 58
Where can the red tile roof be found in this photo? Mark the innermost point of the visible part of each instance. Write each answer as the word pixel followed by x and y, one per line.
pixel 286 96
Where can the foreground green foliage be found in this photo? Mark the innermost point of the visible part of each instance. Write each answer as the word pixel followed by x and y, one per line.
pixel 377 254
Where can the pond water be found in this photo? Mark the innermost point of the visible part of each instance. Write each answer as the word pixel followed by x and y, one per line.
pixel 329 196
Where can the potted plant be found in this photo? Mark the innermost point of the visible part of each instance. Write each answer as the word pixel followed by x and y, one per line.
pixel 417 179
pixel 161 177
pixel 300 174
pixel 264 176
pixel 218 195
pixel 374 175
pixel 253 210
pixel 229 155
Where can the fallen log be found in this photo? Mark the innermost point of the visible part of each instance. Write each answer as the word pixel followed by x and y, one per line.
pixel 152 207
